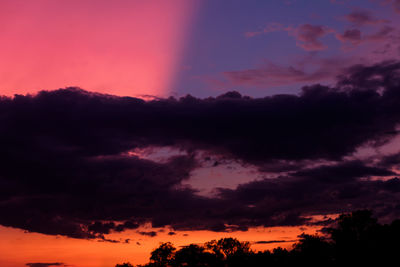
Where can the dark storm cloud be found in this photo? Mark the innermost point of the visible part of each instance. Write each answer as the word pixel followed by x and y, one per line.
pixel 285 200
pixel 67 167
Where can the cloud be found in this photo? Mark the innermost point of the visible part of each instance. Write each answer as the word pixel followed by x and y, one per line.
pixel 362 18
pixel 271 27
pixel 149 233
pixel 307 35
pixel 70 164
pixel 352 35
pixel 355 37
pixel 382 34
pixel 273 74
pixel 309 70
pixel 273 241
pixel 346 171
pixel 286 200
pixel 39 264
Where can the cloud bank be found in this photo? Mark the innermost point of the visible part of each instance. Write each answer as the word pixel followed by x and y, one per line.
pixel 68 167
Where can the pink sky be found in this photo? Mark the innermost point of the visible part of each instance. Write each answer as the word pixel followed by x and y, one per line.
pixel 128 48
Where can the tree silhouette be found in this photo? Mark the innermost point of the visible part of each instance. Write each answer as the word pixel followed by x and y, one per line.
pixel 360 239
pixel 230 250
pixel 163 255
pixel 126 264
pixel 313 250
pixel 357 239
pixel 196 256
pixel 228 247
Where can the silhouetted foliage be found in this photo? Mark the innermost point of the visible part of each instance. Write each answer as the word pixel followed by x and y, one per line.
pixel 196 256
pixel 163 255
pixel 126 264
pixel 313 250
pixel 357 239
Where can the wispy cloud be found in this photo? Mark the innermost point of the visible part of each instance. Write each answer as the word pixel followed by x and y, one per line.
pixel 307 36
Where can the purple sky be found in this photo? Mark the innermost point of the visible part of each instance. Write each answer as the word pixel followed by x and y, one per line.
pixel 269 43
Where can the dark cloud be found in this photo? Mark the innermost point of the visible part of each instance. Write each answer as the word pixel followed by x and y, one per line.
pixel 287 199
pixel 390 160
pixel 68 167
pixel 346 171
pixel 149 233
pixel 273 241
pixel 39 264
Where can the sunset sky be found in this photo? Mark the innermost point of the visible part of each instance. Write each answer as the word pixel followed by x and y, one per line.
pixel 127 123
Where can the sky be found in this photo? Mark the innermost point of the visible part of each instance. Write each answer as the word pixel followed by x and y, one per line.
pixel 129 123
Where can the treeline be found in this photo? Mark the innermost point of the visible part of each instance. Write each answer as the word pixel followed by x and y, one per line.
pixel 356 240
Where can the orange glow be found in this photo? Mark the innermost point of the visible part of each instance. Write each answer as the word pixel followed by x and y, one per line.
pixel 31 247
pixel 127 47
